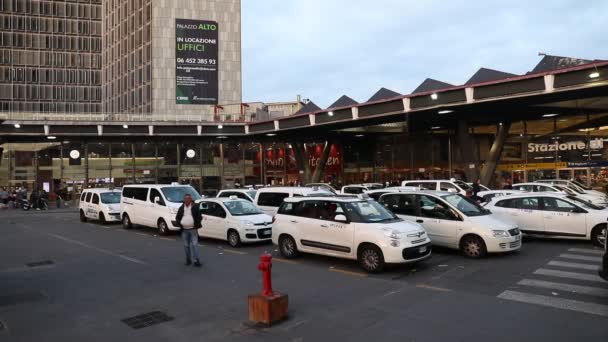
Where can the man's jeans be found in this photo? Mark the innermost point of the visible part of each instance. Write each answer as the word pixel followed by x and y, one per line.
pixel 190 238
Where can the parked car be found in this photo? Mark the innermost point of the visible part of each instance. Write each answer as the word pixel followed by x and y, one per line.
pixel 270 199
pixel 551 214
pixel 246 194
pixel 451 185
pixel 101 204
pixel 596 197
pixel 355 189
pixel 154 205
pixel 486 196
pixel 455 221
pixel 234 220
pixel 375 194
pixel 350 228
pixel 325 186
pixel 603 271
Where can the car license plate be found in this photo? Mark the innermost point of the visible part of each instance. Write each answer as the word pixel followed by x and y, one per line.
pixel 422 249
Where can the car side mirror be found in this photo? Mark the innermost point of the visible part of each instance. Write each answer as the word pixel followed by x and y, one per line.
pixel 340 218
pixel 156 200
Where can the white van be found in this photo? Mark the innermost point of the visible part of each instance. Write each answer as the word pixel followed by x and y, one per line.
pixel 270 199
pixel 452 185
pixel 153 205
pixel 246 194
pixel 101 204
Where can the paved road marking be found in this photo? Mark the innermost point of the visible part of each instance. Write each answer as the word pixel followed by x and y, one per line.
pixel 574 265
pixel 570 275
pixel 586 290
pixel 428 287
pixel 560 303
pixel 351 273
pixel 233 251
pixel 586 250
pixel 144 234
pixel 580 257
pixel 100 250
pixel 168 239
pixel 286 261
pixel 106 227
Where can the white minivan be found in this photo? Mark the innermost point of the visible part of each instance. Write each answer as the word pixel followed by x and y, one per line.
pixel 101 204
pixel 270 199
pixel 154 205
pixel 350 228
pixel 454 221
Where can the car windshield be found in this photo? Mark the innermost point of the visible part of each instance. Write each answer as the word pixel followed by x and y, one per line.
pixel 564 189
pixel 369 212
pixel 465 205
pixel 110 197
pixel 251 193
pixel 464 186
pixel 176 194
pixel 584 203
pixel 576 188
pixel 241 208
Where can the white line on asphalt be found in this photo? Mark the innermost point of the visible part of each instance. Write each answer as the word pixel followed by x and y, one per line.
pixel 586 250
pixel 169 239
pixel 570 275
pixel 144 234
pixel 560 303
pixel 100 250
pixel 580 257
pixel 574 265
pixel 586 290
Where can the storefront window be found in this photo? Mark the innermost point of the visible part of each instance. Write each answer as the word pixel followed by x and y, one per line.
pixel 145 162
pixel 253 167
pixel 74 171
pixel 233 164
pixel 190 163
pixel 167 163
pixel 99 164
pixel 212 181
pixel 122 163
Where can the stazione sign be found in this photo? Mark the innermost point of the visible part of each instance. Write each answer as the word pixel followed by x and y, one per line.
pixel 196 62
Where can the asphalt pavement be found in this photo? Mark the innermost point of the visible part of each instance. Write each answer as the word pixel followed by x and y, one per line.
pixel 63 280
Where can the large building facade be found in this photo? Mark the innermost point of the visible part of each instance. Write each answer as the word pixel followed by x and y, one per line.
pixel 50 56
pixel 112 56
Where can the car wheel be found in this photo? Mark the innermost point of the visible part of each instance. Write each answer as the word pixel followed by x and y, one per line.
pixel 102 218
pixel 163 229
pixel 234 240
pixel 288 247
pixel 126 222
pixel 473 247
pixel 371 258
pixel 598 235
pixel 83 218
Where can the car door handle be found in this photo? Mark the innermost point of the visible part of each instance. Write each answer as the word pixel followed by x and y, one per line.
pixel 293 221
pixel 420 221
pixel 324 226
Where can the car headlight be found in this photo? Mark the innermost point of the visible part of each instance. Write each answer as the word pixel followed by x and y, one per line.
pixel 500 233
pixel 173 210
pixel 393 234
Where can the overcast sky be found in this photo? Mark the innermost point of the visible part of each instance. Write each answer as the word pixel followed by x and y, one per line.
pixel 322 49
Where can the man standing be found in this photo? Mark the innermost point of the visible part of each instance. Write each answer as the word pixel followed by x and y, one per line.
pixel 189 219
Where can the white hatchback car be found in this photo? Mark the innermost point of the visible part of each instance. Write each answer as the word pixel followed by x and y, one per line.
pixel 234 220
pixel 350 228
pixel 101 204
pixel 246 194
pixel 450 185
pixel 454 221
pixel 270 199
pixel 553 215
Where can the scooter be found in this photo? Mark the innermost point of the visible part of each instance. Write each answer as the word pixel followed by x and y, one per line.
pixel 24 204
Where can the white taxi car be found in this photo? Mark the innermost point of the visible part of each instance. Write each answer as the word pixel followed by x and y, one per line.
pixel 246 194
pixel 234 220
pixel 454 221
pixel 101 204
pixel 350 228
pixel 553 215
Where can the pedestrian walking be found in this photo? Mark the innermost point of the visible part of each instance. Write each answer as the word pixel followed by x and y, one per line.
pixel 4 196
pixel 189 219
pixel 476 187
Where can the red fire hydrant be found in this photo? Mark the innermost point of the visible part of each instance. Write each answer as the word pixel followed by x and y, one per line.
pixel 265 265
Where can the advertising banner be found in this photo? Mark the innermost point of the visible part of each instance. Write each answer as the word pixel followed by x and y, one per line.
pixel 196 62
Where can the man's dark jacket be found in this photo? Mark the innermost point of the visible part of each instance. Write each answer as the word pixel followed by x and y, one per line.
pixel 196 215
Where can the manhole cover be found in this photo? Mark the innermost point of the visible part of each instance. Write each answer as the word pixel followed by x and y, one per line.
pixel 39 263
pixel 19 298
pixel 147 319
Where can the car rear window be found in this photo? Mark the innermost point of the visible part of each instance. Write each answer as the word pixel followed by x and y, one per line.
pixel 272 199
